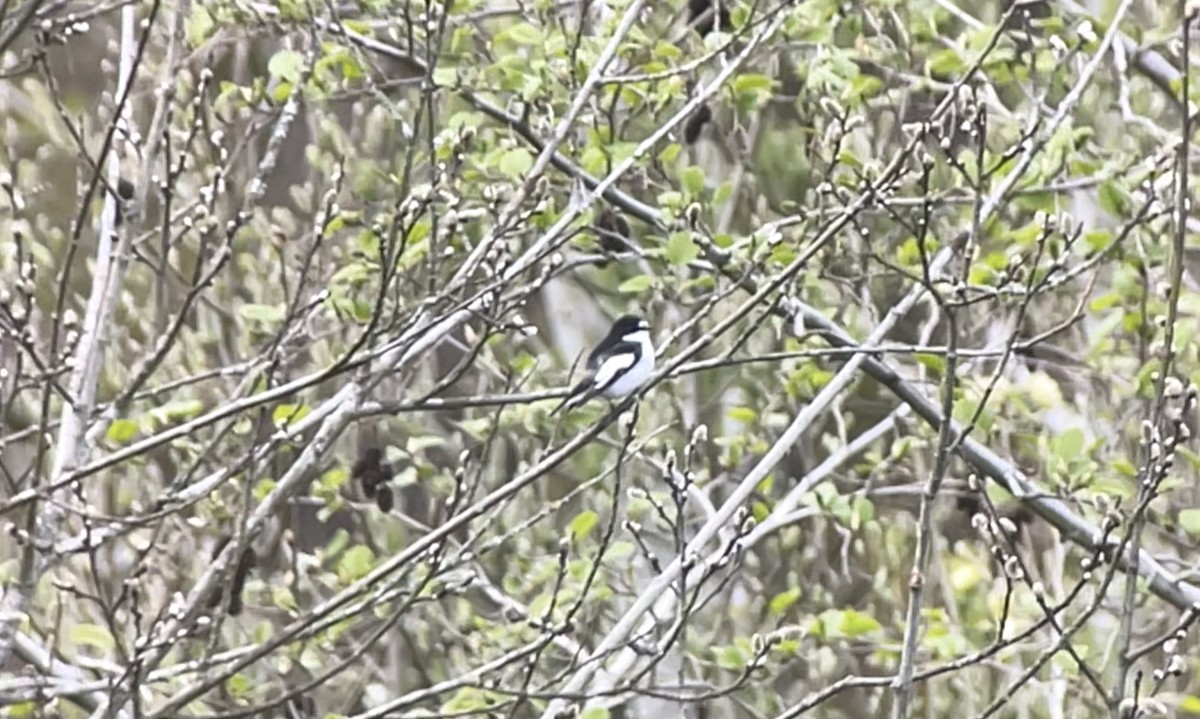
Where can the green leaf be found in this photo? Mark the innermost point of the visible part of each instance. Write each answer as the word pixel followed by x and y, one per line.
pixel 751 83
pixel 289 414
pixel 468 700
pixel 667 51
pixel 681 249
pixel 355 563
pixel 669 153
pixel 420 443
pixel 669 199
pixel 594 713
pixel 122 430
pixel 945 62
pixel 780 602
pixel 743 414
pixel 1190 704
pixel 1097 240
pixel 262 489
pixel 464 118
pixel 731 657
pixel 92 635
pixel 634 285
pixel 1043 390
pixel 862 510
pixel 1123 467
pixel 723 192
pixel 200 25
pixel 286 65
pixel 847 623
pixel 1053 23
pixel 692 179
pixel 750 91
pixel 856 624
pixel 594 160
pixel 266 314
pixel 583 523
pixel 934 362
pixel 1114 200
pixel 524 34
pixel 177 410
pixel 445 76
pixel 282 91
pixel 516 163
pixel 239 684
pixel 292 10
pixel 477 427
pixel 1069 444
pixel 21 709
pixel 863 86
pixel 283 598
pixel 1106 301
pixel 1189 519
pixel 337 542
pixel 352 274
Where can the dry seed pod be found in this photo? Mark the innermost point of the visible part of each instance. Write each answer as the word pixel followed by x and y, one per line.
pixel 124 195
pixel 245 564
pixel 613 231
pixel 703 17
pixel 384 499
pixel 371 470
pixel 696 123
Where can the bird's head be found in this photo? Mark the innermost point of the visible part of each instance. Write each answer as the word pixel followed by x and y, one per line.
pixel 629 324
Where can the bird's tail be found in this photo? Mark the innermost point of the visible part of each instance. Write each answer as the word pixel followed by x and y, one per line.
pixel 577 396
pixel 560 406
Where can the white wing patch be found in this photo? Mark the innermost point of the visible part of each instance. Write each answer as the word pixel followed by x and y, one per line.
pixel 631 379
pixel 638 372
pixel 612 368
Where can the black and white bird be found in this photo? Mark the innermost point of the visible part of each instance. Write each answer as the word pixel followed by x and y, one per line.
pixel 618 366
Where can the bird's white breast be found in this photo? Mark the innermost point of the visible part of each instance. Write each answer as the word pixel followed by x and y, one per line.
pixel 641 370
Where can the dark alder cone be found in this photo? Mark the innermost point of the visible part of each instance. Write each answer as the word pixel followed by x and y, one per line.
pixel 700 9
pixel 125 194
pixel 301 707
pixel 369 470
pixel 696 123
pixel 384 499
pixel 245 564
pixel 968 504
pixel 247 561
pixel 235 602
pixel 612 230
pixel 215 599
pixel 1020 515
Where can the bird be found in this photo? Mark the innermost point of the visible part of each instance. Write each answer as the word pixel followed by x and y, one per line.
pixel 618 366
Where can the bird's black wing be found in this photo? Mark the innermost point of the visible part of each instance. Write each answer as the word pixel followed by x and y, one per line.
pixel 580 393
pixel 597 356
pixel 587 387
pixel 631 352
